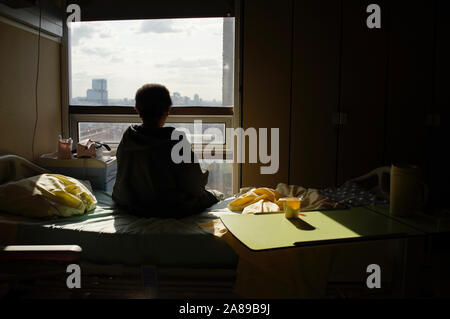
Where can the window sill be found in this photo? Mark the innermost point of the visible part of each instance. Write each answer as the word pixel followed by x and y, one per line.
pixel 176 110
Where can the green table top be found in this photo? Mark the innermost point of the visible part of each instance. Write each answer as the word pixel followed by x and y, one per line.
pixel 273 230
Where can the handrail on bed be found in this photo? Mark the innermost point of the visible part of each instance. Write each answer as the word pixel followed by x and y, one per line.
pixel 67 253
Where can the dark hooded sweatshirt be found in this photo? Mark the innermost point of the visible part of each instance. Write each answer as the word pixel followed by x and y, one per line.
pixel 150 184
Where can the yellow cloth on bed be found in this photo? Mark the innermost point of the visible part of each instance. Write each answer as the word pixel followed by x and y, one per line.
pixel 263 199
pixel 46 196
pixel 257 200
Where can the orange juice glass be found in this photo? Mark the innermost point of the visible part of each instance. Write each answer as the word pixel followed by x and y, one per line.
pixel 291 207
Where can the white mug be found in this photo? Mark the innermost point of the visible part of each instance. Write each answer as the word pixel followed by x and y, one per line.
pixel 408 192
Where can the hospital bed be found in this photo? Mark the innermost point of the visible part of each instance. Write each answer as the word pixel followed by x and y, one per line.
pixel 119 250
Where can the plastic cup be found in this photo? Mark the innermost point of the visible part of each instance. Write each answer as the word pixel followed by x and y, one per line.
pixel 291 207
pixel 65 149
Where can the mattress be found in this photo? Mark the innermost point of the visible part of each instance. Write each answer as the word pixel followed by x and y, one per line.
pixel 109 235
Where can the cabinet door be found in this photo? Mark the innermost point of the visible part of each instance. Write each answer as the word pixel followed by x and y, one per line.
pixel 363 91
pixel 438 156
pixel 411 50
pixel 315 91
pixel 267 81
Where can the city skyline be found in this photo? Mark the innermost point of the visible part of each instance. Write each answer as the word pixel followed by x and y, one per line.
pixel 97 95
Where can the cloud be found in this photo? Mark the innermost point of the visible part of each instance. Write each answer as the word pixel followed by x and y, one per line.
pixel 105 34
pixel 157 26
pixel 102 52
pixel 189 64
pixel 79 75
pixel 78 32
pixel 116 60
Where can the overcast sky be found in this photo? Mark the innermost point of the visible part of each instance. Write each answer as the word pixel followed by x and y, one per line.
pixel 183 54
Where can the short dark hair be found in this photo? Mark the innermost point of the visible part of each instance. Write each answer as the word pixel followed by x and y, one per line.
pixel 152 102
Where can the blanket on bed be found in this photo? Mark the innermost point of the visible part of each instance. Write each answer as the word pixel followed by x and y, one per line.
pixel 46 196
pixel 14 168
pixel 26 189
pixel 251 200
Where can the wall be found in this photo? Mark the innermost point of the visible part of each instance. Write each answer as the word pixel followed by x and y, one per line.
pixel 18 65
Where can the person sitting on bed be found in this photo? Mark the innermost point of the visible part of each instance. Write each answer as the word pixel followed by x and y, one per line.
pixel 148 182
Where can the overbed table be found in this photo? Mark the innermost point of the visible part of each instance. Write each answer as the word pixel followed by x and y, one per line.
pixel 272 231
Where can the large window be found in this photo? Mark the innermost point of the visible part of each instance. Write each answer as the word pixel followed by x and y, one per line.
pixel 193 58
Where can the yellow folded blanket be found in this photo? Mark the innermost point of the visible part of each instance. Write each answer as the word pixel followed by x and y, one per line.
pixel 252 200
pixel 257 200
pixel 46 196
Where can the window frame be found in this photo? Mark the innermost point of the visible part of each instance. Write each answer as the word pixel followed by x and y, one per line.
pixel 72 115
pixel 75 119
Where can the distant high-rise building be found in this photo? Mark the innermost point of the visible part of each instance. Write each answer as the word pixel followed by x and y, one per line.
pixel 99 93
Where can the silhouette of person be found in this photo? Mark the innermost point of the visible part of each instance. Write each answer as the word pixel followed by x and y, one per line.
pixel 148 182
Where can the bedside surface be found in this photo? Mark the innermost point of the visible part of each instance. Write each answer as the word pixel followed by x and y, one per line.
pixel 271 231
